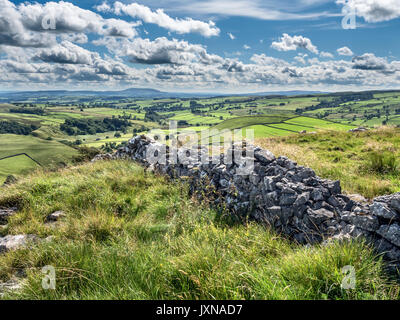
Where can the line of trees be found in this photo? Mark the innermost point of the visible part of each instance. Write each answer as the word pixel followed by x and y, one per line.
pixel 37 111
pixel 17 128
pixel 92 126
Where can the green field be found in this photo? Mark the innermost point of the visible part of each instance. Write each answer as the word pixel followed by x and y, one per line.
pixel 15 166
pixel 242 122
pixel 47 153
pixel 290 126
pixel 268 116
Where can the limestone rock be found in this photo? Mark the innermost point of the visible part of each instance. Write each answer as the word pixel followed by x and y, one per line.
pixel 382 210
pixel 14 242
pixel 264 156
pixel 319 216
pixel 366 222
pixel 390 233
pixel 55 216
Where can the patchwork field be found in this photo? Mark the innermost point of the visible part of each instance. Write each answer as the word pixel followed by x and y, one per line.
pixel 268 116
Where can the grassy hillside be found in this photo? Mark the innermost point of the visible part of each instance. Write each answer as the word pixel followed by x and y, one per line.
pixel 47 153
pixel 132 235
pixel 366 163
pixel 241 122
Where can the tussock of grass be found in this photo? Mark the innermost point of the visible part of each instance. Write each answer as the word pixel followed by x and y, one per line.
pixel 132 235
pixel 365 163
pixel 383 163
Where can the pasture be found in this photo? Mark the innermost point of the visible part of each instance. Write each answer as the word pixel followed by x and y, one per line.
pixel 268 116
pixel 47 153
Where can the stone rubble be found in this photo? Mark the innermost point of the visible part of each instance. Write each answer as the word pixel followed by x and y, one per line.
pixel 290 198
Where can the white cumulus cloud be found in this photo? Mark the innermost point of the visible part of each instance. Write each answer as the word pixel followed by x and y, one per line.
pixel 160 18
pixel 324 54
pixel 345 51
pixel 373 10
pixel 288 43
pixel 69 53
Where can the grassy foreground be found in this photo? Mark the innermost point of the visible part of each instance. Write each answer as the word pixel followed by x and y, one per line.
pixel 132 235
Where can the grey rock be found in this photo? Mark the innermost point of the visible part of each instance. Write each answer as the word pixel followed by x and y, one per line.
pixel 330 231
pixel 334 187
pixel 264 156
pixel 271 198
pixel 357 198
pixel 224 183
pixel 366 222
pixel 14 242
pixel 327 206
pixel 333 201
pixel 276 210
pixel 395 203
pixel 382 210
pixel 381 245
pixel 269 183
pixel 391 233
pixel 278 192
pixel 317 195
pixel 306 173
pixel 55 216
pixel 288 190
pixel 319 216
pixel 393 255
pixel 350 205
pixel 287 199
pixel 302 199
pixel 348 217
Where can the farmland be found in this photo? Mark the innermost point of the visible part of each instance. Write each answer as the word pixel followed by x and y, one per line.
pixel 46 153
pixel 269 116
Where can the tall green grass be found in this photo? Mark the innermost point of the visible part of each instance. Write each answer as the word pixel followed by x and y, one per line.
pixel 132 235
pixel 383 162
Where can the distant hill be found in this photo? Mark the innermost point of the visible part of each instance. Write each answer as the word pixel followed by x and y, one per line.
pixel 147 93
pixel 127 93
pixel 132 93
pixel 288 93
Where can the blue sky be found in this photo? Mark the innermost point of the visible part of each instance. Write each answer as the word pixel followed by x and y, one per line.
pixel 192 45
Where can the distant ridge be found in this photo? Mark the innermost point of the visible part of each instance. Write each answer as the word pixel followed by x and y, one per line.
pixel 136 93
pixel 131 92
pixel 149 93
pixel 289 93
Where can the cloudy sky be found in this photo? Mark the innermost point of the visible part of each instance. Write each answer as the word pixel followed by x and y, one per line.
pixel 200 45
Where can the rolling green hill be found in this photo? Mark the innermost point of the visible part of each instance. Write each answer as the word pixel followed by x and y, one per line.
pixel 47 153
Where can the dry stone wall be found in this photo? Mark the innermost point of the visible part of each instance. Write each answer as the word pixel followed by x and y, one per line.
pixel 290 198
